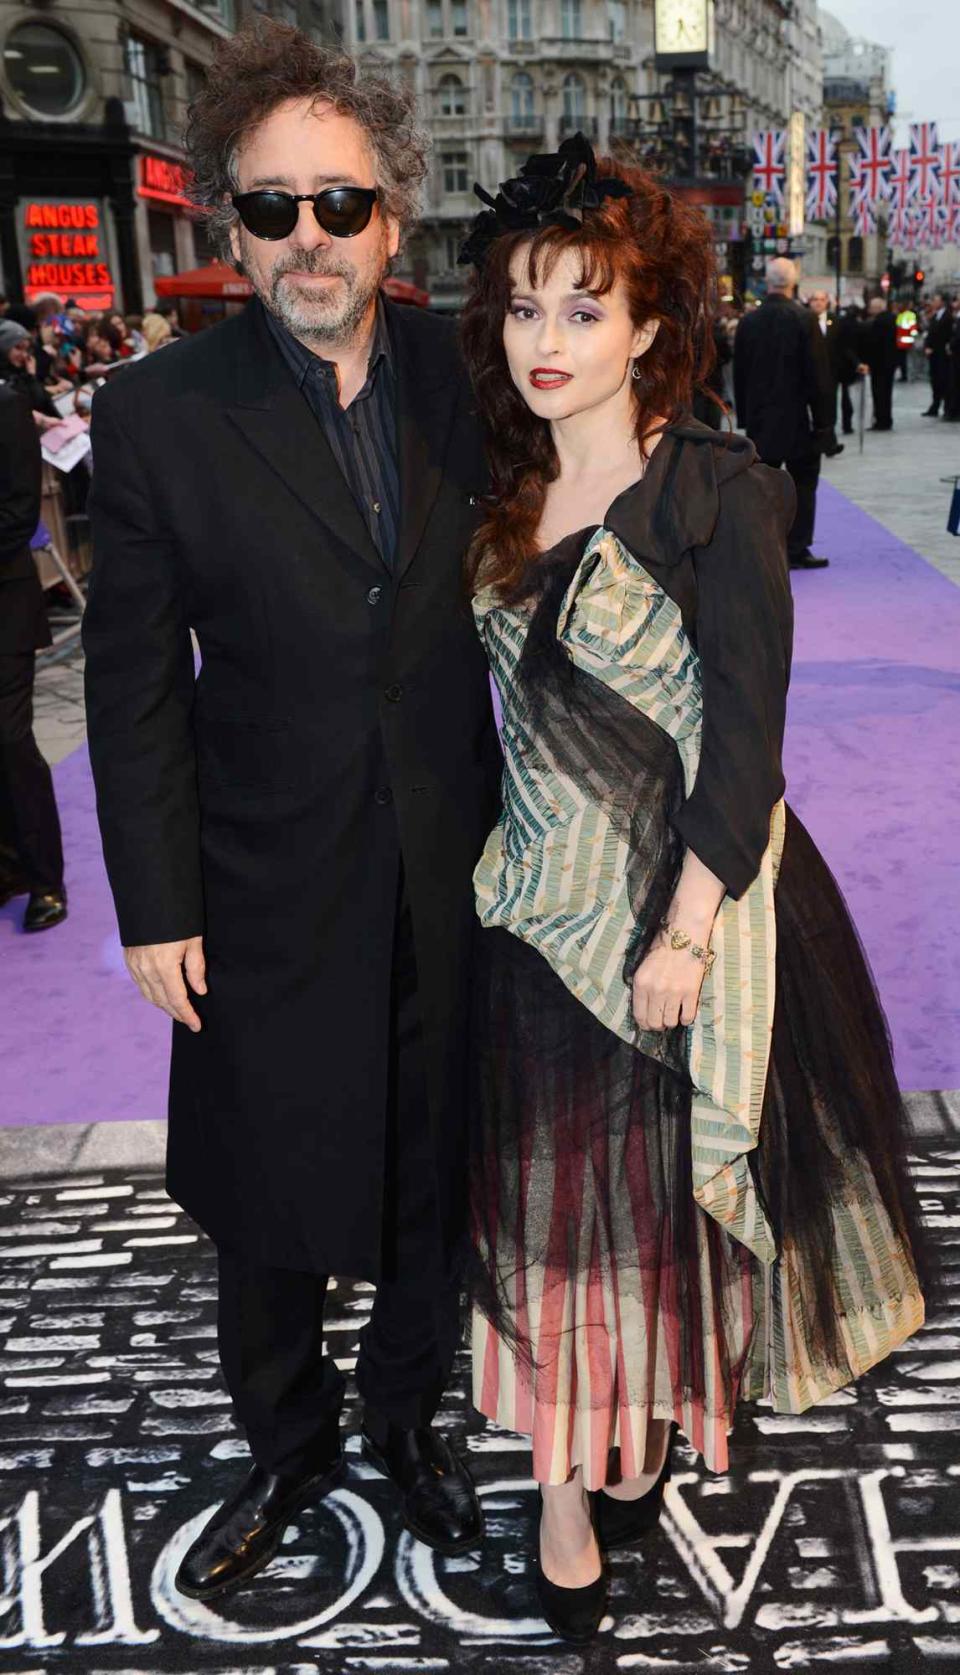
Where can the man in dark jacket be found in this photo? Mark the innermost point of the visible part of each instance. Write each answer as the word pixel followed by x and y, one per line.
pixel 291 838
pixel 879 350
pixel 31 852
pixel 936 348
pixel 784 397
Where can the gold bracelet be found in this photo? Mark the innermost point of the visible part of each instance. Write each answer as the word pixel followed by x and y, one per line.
pixel 681 939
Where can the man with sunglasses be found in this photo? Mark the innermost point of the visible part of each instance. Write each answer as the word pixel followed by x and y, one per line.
pixel 290 837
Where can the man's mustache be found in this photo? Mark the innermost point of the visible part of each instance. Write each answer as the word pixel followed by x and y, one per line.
pixel 311 264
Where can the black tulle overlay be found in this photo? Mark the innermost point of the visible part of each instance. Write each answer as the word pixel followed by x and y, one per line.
pixel 615 1279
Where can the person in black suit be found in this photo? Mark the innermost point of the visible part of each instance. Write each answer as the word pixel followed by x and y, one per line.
pixel 784 397
pixel 31 848
pixel 879 350
pixel 291 835
pixel 839 332
pixel 952 408
pixel 936 348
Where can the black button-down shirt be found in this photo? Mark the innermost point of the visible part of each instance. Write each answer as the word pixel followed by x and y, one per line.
pixel 363 436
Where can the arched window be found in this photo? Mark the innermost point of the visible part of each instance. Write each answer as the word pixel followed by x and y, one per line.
pixel 618 100
pixel 521 97
pixel 573 98
pixel 453 96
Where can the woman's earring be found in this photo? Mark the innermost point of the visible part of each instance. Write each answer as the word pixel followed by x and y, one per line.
pixel 636 370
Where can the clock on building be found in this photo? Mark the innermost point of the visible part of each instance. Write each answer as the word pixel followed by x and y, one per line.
pixel 683 32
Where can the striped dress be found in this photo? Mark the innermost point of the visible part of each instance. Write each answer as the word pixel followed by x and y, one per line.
pixel 554 875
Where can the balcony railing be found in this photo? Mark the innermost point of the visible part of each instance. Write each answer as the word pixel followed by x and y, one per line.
pixel 578 125
pixel 524 127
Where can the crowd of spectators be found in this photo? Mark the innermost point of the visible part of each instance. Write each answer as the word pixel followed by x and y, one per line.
pixel 54 346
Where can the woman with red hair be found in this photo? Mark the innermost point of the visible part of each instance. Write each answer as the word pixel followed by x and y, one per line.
pixel 688 1175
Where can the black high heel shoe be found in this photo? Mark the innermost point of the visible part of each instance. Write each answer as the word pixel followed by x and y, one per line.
pixel 621 1523
pixel 574 1614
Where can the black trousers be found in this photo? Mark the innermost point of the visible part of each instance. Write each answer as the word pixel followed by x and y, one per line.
pixel 29 824
pixel 286 1390
pixel 846 407
pixel 805 472
pixel 881 389
pixel 939 376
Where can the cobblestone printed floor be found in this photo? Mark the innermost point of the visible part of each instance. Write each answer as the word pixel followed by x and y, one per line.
pixel 835 1542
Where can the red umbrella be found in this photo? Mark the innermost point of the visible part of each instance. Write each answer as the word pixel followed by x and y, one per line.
pixel 220 280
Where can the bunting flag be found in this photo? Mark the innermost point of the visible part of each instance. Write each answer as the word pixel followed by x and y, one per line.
pixel 769 165
pixel 925 161
pixel 875 163
pixel 899 180
pixel 950 173
pixel 821 174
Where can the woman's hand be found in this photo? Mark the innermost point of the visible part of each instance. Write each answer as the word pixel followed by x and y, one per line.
pixel 666 987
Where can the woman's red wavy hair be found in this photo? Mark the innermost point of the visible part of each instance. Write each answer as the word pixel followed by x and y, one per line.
pixel 662 250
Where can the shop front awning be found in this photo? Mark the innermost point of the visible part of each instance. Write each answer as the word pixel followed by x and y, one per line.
pixel 218 280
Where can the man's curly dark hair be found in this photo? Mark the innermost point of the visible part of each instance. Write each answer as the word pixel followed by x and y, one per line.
pixel 262 67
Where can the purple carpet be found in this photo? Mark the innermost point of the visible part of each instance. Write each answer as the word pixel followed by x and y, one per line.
pixel 873 764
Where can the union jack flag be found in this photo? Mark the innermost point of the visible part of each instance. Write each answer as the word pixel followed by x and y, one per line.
pixel 769 160
pixel 821 174
pixel 931 223
pixel 924 161
pixel 861 208
pixel 899 179
pixel 875 162
pixel 950 172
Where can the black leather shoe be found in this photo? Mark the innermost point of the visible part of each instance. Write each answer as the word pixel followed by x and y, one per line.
pixel 832 453
pixel 930 413
pixel 808 561
pixel 45 910
pixel 621 1523
pixel 246 1531
pixel 440 1504
pixel 574 1614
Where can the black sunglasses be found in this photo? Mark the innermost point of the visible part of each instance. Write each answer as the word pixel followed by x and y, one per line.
pixel 342 211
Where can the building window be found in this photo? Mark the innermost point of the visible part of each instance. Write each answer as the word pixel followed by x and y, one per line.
pixel 45 68
pixel 163 245
pixel 435 19
pixel 855 254
pixel 458 10
pixel 454 171
pixel 196 80
pixel 145 64
pixel 521 97
pixel 570 23
pixel 361 25
pixel 617 13
pixel 451 250
pixel 573 99
pixel 519 20
pixel 618 106
pixel 381 20
pixel 453 96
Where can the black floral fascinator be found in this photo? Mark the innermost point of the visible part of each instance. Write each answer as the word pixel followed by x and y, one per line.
pixel 553 189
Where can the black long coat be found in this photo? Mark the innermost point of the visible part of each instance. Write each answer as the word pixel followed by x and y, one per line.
pixel 781 377
pixel 341 726
pixel 23 620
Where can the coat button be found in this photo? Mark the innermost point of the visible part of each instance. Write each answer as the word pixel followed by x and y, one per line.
pixel 393 694
pixel 374 596
pixel 383 795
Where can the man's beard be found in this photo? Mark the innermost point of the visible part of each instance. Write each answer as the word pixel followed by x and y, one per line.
pixel 329 317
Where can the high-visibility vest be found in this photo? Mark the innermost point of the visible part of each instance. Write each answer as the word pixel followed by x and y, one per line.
pixel 907 328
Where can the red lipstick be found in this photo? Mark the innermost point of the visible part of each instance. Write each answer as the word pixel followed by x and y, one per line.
pixel 549 378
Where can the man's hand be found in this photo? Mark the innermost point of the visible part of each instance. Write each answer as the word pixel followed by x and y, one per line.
pixel 158 969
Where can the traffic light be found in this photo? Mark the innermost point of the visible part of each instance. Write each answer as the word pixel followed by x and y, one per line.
pixel 918 276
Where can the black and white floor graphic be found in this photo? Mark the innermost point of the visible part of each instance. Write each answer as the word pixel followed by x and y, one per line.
pixel 834 1542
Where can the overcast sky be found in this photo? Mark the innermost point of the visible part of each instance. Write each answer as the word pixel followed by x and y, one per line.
pixel 925 42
